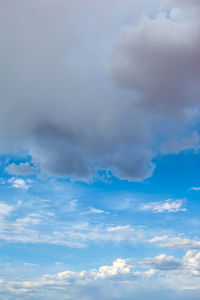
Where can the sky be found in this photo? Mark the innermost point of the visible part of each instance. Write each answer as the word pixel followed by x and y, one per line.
pixel 99 149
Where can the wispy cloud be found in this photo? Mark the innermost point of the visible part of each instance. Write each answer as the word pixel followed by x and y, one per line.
pixel 164 206
pixel 178 242
pixel 94 210
pixel 196 189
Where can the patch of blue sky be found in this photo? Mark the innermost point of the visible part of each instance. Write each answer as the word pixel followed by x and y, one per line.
pixel 85 215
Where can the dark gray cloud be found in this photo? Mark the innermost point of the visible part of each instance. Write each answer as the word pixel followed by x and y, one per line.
pixel 159 57
pixel 58 99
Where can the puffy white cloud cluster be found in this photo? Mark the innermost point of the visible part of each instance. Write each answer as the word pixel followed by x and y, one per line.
pixel 125 278
pixel 19 183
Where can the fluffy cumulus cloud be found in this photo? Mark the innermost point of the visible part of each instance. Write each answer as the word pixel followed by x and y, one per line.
pixel 122 279
pixel 58 98
pixel 19 183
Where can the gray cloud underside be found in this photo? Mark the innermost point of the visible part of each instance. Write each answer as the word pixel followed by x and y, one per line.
pixel 57 96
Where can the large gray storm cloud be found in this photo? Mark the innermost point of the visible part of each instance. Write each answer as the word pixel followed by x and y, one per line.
pixel 91 85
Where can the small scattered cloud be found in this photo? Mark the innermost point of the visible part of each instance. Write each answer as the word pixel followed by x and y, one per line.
pixel 164 206
pixel 19 183
pixel 179 242
pixel 2 181
pixel 196 189
pixel 5 209
pixel 120 228
pixel 93 210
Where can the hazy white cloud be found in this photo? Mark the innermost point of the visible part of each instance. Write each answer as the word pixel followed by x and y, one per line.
pixel 164 206
pixel 22 169
pixel 19 183
pixel 195 188
pixel 176 242
pixel 5 209
pixel 94 210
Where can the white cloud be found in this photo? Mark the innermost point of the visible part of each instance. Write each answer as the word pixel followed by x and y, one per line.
pixel 41 226
pixel 120 228
pixel 5 209
pixel 164 206
pixel 165 276
pixel 176 242
pixel 94 210
pixel 195 189
pixel 19 183
pixel 192 261
pixel 22 169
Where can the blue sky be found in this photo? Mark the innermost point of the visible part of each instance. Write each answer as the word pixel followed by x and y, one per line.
pixel 99 150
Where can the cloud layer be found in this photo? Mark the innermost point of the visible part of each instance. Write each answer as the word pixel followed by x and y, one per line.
pixel 179 277
pixel 58 99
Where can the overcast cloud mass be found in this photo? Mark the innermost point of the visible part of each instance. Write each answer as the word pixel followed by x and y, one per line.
pixel 80 87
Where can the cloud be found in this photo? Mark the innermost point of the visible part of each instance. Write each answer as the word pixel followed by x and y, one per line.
pixel 19 183
pixel 98 211
pixel 192 261
pixel 5 209
pixel 162 262
pixel 161 276
pixel 195 189
pixel 176 146
pixel 164 206
pixel 176 242
pixel 43 227
pixel 70 116
pixel 39 225
pixel 22 169
pixel 158 58
pixel 119 228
